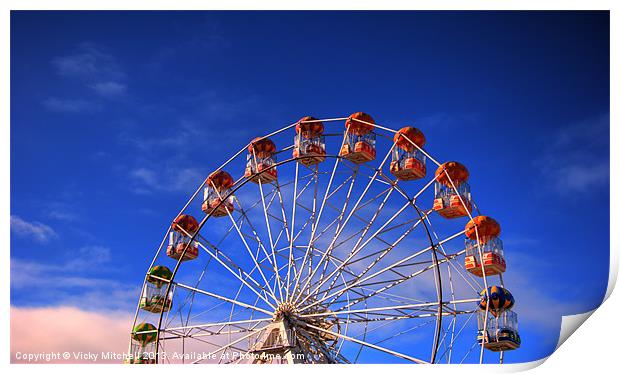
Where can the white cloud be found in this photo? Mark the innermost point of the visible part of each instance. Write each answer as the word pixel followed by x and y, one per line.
pixel 62 329
pixel 62 215
pixel 580 177
pixel 179 138
pixel 89 62
pixel 68 329
pixel 186 178
pixel 443 120
pixel 89 256
pixel 168 179
pixel 109 89
pixel 538 303
pixel 85 281
pixel 36 230
pixel 144 176
pixel 97 69
pixel 77 261
pixel 576 158
pixel 70 105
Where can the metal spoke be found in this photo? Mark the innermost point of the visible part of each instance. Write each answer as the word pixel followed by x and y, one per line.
pixel 341 227
pixel 220 297
pixel 238 276
pixel 366 344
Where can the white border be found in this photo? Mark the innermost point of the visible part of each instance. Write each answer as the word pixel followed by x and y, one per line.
pixel 592 348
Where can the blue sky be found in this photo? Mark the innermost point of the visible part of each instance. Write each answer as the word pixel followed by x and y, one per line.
pixel 116 117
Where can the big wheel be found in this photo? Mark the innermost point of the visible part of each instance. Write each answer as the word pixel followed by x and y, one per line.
pixel 335 246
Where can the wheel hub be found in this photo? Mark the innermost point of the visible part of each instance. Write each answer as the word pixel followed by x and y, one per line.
pixel 286 310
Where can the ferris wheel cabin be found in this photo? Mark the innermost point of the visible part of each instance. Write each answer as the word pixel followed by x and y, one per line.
pixel 502 331
pixel 452 193
pixel 261 161
pixel 482 238
pixel 218 200
pixel 359 140
pixel 180 245
pixel 142 349
pixel 501 322
pixel 154 297
pixel 408 163
pixel 309 147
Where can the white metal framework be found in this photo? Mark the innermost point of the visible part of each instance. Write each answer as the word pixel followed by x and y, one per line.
pixel 334 262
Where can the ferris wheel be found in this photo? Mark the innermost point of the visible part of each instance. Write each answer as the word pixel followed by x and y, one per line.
pixel 337 246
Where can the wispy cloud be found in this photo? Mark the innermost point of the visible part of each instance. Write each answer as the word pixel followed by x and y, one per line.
pixel 65 206
pixel 89 62
pixel 92 255
pixel 443 120
pixel 36 230
pixel 207 36
pixel 169 179
pixel 576 158
pixel 99 72
pixel 79 261
pixel 144 176
pixel 109 89
pixel 519 241
pixel 67 329
pixel 83 280
pixel 540 304
pixel 70 105
pixel 179 137
pixel 41 330
pixel 62 215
